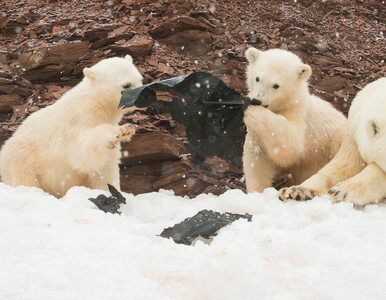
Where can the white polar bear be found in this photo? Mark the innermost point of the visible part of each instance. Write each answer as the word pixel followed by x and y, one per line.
pixel 292 131
pixel 358 171
pixel 75 141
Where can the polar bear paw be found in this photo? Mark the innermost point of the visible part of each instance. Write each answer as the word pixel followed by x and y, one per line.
pixel 253 117
pixel 124 133
pixel 355 192
pixel 298 193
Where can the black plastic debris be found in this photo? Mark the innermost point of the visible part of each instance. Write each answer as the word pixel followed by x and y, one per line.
pixel 109 204
pixel 211 111
pixel 205 223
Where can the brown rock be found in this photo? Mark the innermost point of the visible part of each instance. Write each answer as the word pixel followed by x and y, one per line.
pixel 168 180
pixel 3 57
pixel 60 54
pixel 5 134
pixel 182 186
pixel 51 62
pixel 55 91
pixel 88 60
pixel 137 184
pixel 7 101
pixel 15 86
pixel 165 69
pixel 111 40
pixel 138 46
pixel 49 72
pixel 190 34
pixel 215 190
pixel 140 178
pixel 173 167
pixel 326 62
pixel 57 29
pixel 218 165
pixel 13 90
pixel 11 26
pixel 183 23
pixel 192 41
pixel 128 2
pixel 151 147
pixel 95 34
pixel 331 84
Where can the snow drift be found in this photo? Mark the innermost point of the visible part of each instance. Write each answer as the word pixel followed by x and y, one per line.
pixel 68 249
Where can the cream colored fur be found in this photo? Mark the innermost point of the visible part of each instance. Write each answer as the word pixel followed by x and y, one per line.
pixel 358 171
pixel 75 141
pixel 295 132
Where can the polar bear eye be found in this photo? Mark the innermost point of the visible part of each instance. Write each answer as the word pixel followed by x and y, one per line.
pixel 257 79
pixel 126 86
pixel 276 86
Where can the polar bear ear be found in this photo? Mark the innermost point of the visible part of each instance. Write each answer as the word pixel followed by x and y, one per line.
pixel 305 72
pixel 88 73
pixel 252 54
pixel 129 58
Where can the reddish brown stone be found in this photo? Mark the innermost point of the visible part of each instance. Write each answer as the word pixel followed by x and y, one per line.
pixel 138 46
pixel 151 147
pixel 7 101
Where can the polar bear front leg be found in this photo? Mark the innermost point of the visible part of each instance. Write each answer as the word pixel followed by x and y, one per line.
pixel 259 171
pixel 95 148
pixel 108 175
pixel 346 163
pixel 367 187
pixel 281 140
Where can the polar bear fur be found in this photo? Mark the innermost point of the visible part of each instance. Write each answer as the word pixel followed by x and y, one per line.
pixel 75 141
pixel 358 171
pixel 291 131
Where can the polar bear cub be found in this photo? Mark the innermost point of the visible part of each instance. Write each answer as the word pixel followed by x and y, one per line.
pixel 358 171
pixel 75 141
pixel 291 131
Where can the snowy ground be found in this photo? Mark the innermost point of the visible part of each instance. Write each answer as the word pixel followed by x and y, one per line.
pixel 67 249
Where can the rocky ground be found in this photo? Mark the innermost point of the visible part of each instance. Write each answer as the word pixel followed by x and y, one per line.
pixel 44 46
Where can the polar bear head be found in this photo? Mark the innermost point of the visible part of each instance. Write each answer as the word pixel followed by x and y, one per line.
pixel 276 77
pixel 113 74
pixel 367 118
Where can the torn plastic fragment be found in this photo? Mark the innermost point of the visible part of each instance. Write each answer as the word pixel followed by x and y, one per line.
pixel 109 204
pixel 205 223
pixel 211 111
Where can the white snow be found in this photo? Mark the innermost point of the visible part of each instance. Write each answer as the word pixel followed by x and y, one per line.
pixel 67 249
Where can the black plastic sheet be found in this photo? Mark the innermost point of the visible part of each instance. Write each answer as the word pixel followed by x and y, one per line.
pixel 205 223
pixel 211 111
pixel 109 204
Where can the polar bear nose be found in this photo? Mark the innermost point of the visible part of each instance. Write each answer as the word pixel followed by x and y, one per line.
pixel 255 102
pixel 248 101
pixel 252 101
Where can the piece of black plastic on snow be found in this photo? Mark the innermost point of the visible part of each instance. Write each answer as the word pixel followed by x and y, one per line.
pixel 211 111
pixel 109 204
pixel 205 223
